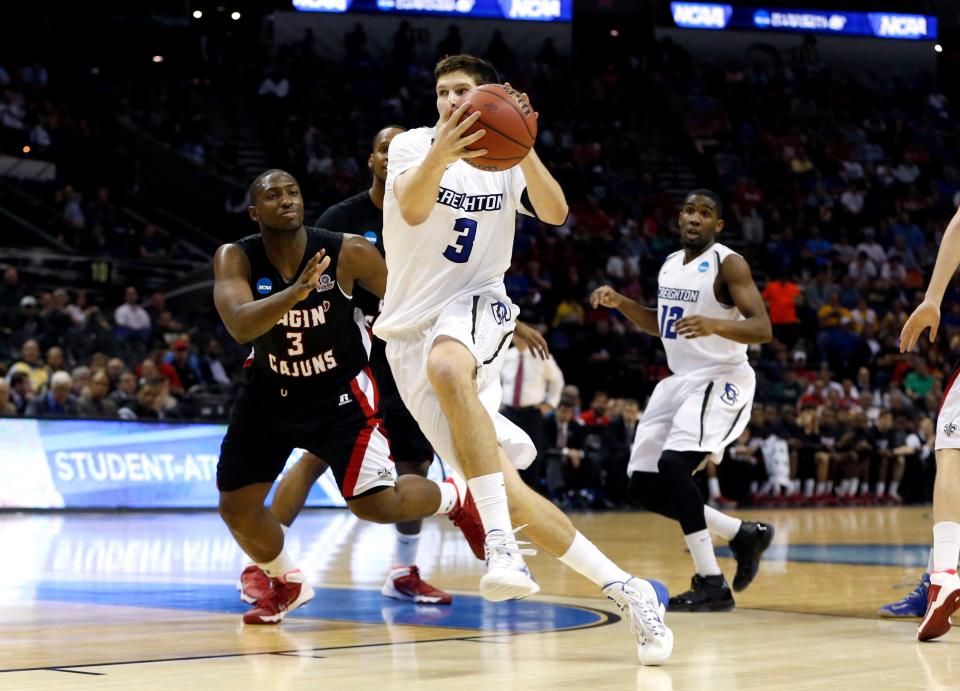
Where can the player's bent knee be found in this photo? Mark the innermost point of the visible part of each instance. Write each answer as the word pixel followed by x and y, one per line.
pixel 375 508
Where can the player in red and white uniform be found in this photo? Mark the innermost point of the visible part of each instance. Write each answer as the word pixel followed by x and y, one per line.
pixel 943 595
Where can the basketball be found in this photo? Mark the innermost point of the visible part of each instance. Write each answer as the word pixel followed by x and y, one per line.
pixel 509 122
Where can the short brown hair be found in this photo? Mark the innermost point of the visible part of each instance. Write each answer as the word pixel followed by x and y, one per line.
pixel 479 69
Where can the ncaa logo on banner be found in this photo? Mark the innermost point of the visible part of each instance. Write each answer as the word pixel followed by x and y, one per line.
pixel 264 286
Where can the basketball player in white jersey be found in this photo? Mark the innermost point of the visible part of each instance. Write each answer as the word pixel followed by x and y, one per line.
pixel 943 595
pixel 708 311
pixel 446 318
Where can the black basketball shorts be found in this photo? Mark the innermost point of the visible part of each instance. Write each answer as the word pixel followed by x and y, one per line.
pixel 339 425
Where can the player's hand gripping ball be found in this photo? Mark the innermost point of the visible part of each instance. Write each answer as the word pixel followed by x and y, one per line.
pixel 510 123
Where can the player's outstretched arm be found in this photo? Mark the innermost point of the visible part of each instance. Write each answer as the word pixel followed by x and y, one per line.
pixel 244 317
pixel 927 314
pixel 644 317
pixel 361 263
pixel 416 188
pixel 754 328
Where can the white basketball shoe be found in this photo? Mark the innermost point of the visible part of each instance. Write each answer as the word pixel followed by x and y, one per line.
pixel 643 604
pixel 507 576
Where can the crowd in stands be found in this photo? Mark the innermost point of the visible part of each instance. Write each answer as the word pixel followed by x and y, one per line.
pixel 837 189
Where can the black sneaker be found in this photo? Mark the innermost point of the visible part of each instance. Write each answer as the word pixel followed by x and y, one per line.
pixel 747 546
pixel 706 594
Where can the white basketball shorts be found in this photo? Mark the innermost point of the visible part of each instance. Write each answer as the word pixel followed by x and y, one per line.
pixel 484 323
pixel 703 410
pixel 948 419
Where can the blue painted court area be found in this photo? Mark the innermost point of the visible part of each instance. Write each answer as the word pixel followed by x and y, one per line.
pixel 339 604
pixel 867 555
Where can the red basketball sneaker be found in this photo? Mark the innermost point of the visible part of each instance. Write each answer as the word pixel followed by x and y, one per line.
pixel 467 518
pixel 943 599
pixel 404 583
pixel 253 584
pixel 285 594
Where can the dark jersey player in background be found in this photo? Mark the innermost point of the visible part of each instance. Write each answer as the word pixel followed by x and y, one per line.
pixel 305 385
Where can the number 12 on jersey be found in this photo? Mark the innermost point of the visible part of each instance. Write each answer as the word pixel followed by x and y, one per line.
pixel 668 317
pixel 459 252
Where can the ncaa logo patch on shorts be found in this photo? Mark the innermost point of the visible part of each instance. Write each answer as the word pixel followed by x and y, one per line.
pixel 501 313
pixel 704 265
pixel 264 285
pixel 730 394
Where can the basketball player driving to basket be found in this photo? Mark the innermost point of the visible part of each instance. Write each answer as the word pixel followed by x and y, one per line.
pixel 448 235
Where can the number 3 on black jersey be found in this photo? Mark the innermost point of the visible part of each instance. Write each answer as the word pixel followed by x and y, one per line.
pixel 459 252
pixel 296 343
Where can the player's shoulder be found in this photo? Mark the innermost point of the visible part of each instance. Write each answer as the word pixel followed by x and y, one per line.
pixel 418 136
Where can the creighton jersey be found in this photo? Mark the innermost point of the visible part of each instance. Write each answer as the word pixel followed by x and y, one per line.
pixel 685 290
pixel 464 246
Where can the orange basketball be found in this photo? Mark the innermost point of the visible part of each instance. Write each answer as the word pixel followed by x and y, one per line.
pixel 509 123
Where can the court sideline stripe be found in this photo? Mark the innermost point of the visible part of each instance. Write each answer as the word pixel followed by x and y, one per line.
pixel 611 618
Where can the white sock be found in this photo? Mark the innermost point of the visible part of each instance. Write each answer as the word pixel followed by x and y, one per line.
pixel 822 487
pixel 844 488
pixel 583 557
pixel 894 487
pixel 720 523
pixel 713 484
pixel 701 549
pixel 449 497
pixel 490 496
pixel 829 486
pixel 854 483
pixel 280 565
pixel 930 561
pixel 946 545
pixel 808 486
pixel 405 549
pixel 882 488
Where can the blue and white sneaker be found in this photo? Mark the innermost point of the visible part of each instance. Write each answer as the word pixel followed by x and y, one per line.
pixel 507 576
pixel 644 604
pixel 913 605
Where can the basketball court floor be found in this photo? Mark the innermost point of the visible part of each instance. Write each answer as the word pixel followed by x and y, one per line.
pixel 147 601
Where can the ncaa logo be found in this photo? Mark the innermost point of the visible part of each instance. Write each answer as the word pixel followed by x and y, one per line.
pixel 264 285
pixel 704 265
pixel 730 394
pixel 371 236
pixel 501 313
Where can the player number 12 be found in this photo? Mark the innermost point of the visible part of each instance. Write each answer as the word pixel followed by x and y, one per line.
pixel 669 317
pixel 459 251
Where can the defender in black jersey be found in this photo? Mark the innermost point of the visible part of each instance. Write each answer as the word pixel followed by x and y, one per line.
pixel 306 385
pixel 362 215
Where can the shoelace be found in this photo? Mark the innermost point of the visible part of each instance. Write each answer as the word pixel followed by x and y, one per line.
pixel 643 610
pixel 273 599
pixel 507 546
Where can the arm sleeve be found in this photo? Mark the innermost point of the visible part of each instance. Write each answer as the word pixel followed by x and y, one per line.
pixel 407 150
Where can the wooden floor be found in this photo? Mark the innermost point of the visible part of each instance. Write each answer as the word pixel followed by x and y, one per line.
pixel 147 601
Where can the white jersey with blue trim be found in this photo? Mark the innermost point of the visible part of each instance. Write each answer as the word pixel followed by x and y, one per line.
pixel 464 246
pixel 685 290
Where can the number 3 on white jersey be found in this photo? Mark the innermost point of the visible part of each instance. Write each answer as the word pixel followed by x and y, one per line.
pixel 459 252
